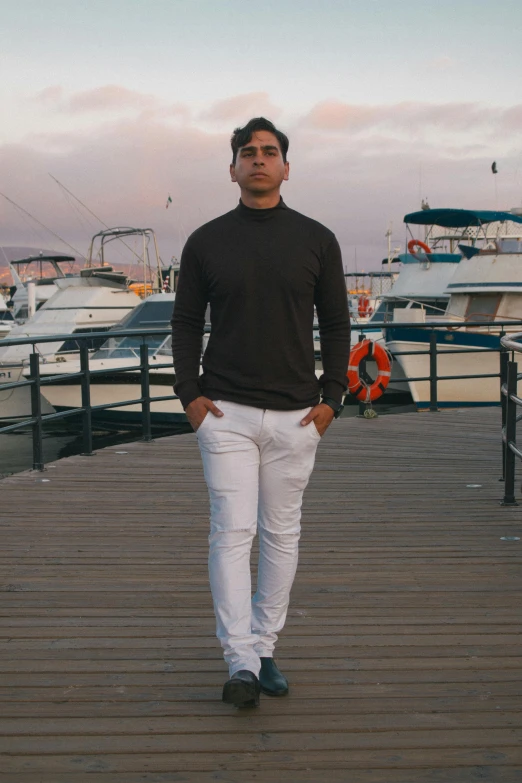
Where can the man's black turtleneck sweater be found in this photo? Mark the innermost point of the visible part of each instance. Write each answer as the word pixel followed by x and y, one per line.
pixel 262 271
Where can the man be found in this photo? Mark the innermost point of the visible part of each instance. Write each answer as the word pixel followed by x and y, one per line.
pixel 256 408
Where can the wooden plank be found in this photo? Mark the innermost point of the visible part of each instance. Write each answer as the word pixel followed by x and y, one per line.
pixel 488 774
pixel 474 665
pixel 64 705
pixel 313 678
pixel 336 692
pixel 260 762
pixel 296 742
pixel 247 724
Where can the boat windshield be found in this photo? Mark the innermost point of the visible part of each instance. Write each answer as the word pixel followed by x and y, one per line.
pixel 385 310
pixel 153 313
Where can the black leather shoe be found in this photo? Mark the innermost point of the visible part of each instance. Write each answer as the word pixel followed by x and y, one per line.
pixel 271 680
pixel 242 689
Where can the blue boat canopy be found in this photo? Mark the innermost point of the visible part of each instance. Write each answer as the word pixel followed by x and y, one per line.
pixel 458 218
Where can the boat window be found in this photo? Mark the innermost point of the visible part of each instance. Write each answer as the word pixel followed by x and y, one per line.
pixel 385 310
pixel 93 343
pixel 482 307
pixel 155 314
pixel 148 315
pixel 6 315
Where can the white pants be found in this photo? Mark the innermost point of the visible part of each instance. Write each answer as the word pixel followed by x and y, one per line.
pixel 257 464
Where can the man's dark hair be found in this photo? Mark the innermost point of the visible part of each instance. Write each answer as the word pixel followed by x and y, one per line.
pixel 242 136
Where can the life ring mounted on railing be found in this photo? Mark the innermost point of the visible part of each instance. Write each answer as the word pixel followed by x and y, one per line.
pixel 413 243
pixel 360 385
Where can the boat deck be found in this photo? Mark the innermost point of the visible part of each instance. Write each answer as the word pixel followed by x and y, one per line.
pixel 403 642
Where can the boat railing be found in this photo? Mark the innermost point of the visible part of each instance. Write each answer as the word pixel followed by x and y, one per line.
pixel 37 382
pixel 511 344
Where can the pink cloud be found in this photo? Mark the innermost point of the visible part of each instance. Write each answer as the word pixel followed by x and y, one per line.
pixel 409 116
pixel 333 115
pixel 180 112
pixel 107 98
pixel 240 108
pixel 51 95
pixel 110 97
pixel 511 118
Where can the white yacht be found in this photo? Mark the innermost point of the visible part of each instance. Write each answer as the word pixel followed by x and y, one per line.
pixel 34 278
pixel 419 287
pixel 92 301
pixel 155 312
pixel 486 286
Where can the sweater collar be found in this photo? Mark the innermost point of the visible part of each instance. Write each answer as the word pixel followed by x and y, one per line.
pixel 259 214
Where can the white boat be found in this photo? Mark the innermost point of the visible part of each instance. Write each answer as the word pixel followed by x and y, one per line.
pixel 486 286
pixel 6 319
pixel 155 312
pixel 92 301
pixel 419 287
pixel 35 280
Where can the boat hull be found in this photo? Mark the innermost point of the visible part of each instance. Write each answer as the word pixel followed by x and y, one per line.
pixel 15 404
pixel 64 396
pixel 467 390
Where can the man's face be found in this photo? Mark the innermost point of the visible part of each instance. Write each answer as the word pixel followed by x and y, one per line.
pixel 259 166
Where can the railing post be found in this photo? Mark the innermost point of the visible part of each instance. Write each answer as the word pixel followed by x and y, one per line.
pixel 433 372
pixel 504 359
pixel 36 409
pixel 511 436
pixel 145 392
pixel 86 399
pixel 362 405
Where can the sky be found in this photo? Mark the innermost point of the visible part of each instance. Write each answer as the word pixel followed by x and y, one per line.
pixel 126 102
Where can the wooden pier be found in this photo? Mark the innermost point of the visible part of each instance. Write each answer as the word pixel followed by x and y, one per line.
pixel 402 646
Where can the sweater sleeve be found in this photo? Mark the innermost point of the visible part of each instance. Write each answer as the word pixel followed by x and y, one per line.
pixel 331 304
pixel 188 323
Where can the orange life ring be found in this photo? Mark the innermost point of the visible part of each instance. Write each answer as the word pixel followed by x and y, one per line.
pixel 413 243
pixel 359 387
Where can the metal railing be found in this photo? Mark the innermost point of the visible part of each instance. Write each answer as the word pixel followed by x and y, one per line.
pixel 86 409
pixel 36 382
pixel 510 402
pixel 436 329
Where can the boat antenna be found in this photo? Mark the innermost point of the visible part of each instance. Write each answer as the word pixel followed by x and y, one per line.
pixel 10 200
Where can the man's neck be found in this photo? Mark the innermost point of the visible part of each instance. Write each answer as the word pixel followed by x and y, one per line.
pixel 261 200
